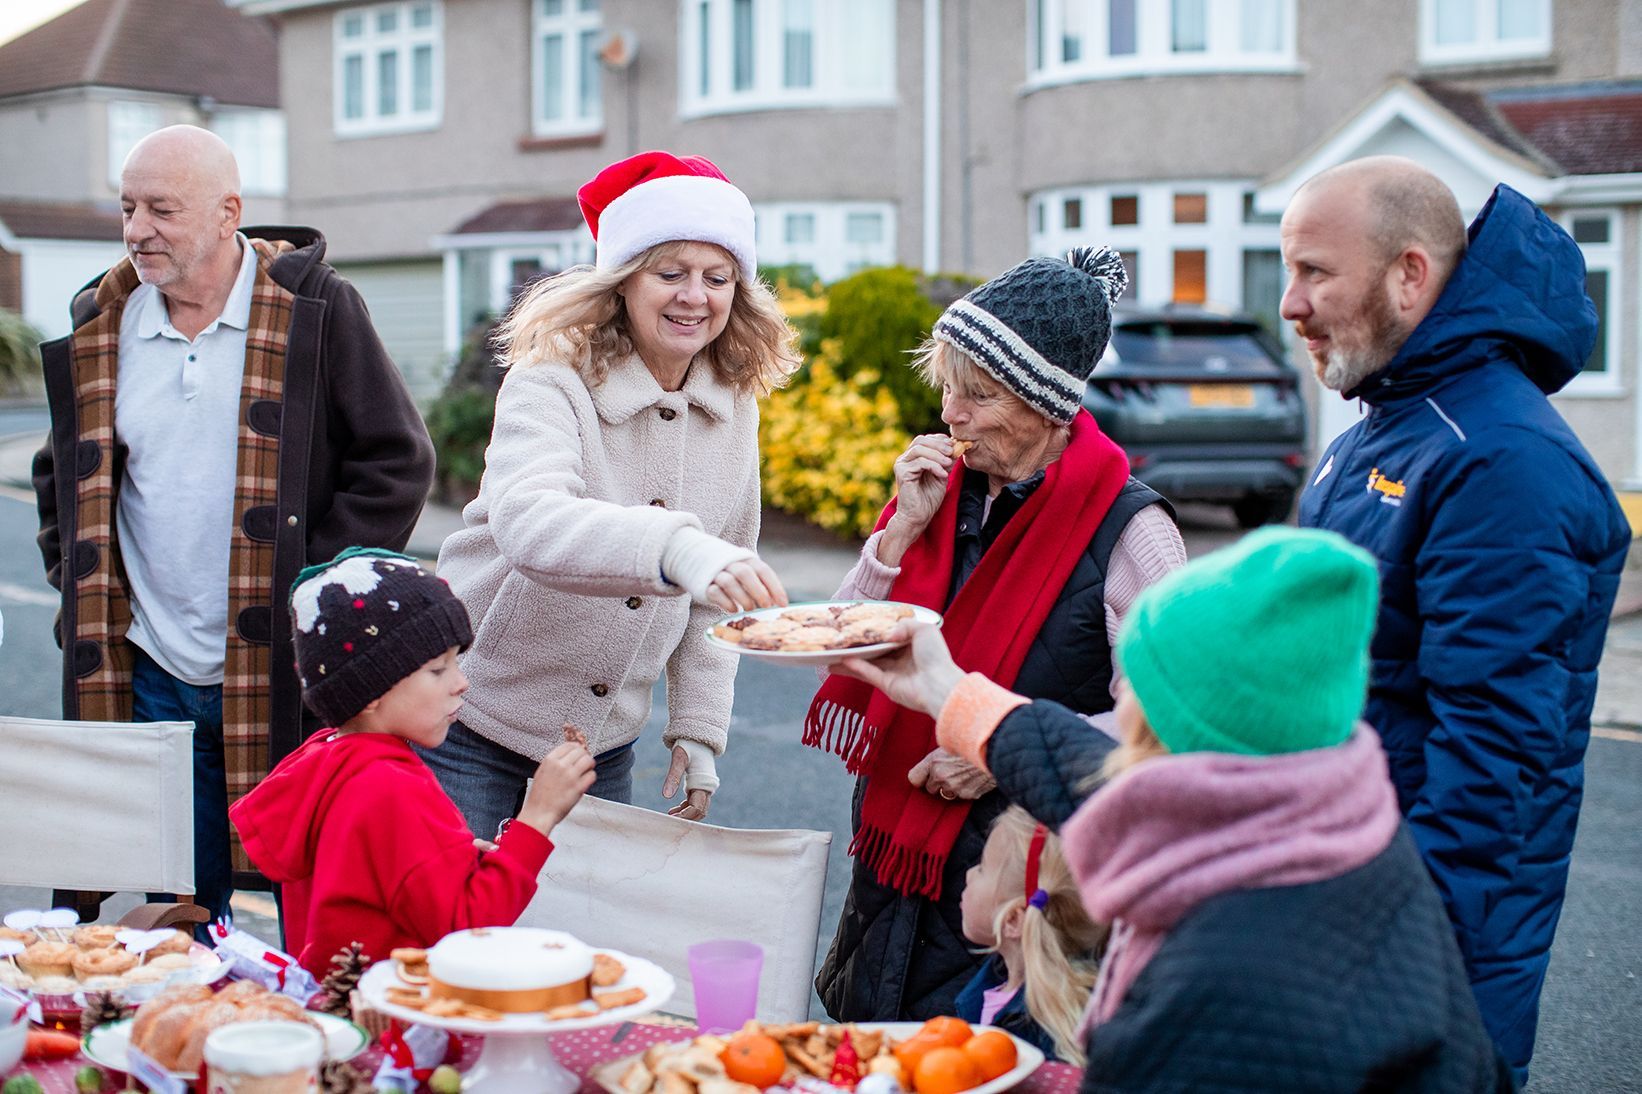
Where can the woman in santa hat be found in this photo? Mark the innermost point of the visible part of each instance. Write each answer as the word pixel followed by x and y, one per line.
pixel 619 507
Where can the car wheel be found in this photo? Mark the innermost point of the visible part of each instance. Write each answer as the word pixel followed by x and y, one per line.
pixel 1258 509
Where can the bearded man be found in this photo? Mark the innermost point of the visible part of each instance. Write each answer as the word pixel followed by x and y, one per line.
pixel 222 415
pixel 1500 544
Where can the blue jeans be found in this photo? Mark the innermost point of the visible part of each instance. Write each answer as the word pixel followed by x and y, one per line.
pixel 487 781
pixel 157 696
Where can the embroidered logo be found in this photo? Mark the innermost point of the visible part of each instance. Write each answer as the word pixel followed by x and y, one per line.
pixel 1391 493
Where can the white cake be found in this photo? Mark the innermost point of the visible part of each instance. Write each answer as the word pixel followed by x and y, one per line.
pixel 511 969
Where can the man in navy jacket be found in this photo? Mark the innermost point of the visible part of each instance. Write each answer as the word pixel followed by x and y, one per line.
pixel 1500 543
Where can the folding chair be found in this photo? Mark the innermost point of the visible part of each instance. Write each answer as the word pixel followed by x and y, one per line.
pixel 652 885
pixel 97 806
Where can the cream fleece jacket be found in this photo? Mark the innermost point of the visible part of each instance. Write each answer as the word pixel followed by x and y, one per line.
pixel 560 560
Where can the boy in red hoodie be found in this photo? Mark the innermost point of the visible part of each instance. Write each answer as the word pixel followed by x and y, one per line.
pixel 353 824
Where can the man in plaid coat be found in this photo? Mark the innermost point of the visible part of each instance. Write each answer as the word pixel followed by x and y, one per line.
pixel 223 414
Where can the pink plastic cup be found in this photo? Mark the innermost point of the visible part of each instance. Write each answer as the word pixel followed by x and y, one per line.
pixel 724 976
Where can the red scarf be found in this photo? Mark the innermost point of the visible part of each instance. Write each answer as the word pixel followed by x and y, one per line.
pixel 906 833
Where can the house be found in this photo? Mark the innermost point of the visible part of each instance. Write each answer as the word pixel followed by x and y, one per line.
pixel 439 143
pixel 78 92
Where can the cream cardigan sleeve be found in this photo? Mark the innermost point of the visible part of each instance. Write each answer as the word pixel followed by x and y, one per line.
pixel 700 677
pixel 540 518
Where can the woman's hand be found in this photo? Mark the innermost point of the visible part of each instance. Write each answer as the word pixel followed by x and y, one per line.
pixel 919 676
pixel 695 766
pixel 947 776
pixel 920 487
pixel 745 585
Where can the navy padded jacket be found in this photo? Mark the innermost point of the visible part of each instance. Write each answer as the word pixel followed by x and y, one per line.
pixel 1500 546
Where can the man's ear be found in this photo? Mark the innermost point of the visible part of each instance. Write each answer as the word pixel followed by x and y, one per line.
pixel 1413 278
pixel 232 209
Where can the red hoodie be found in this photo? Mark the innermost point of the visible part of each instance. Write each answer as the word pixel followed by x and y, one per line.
pixel 370 850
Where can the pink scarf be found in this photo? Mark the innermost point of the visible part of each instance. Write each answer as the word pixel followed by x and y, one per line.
pixel 1170 833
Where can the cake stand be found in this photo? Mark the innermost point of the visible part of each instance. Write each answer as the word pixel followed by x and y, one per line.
pixel 517 1057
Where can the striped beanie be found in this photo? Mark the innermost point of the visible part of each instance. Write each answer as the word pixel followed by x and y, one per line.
pixel 1040 327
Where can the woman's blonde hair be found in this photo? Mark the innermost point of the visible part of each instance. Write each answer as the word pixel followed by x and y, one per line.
pixel 1060 944
pixel 579 318
pixel 943 365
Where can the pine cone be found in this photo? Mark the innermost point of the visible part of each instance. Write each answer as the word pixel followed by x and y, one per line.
pixel 340 1077
pixel 347 967
pixel 100 1007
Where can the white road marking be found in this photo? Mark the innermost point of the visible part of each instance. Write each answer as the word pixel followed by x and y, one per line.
pixel 1628 735
pixel 18 594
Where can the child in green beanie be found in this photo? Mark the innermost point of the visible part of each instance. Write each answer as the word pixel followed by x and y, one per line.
pixel 1272 925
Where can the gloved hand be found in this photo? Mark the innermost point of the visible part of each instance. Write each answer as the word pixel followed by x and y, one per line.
pixel 714 571
pixel 695 764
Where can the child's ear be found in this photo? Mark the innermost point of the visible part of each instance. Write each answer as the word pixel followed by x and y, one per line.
pixel 1013 922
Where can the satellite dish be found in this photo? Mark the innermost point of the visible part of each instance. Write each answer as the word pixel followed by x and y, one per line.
pixel 619 48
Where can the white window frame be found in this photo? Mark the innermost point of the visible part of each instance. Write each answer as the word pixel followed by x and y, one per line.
pixel 368 47
pixel 837 28
pixel 1607 258
pixel 830 253
pixel 1154 239
pixel 129 121
pixel 570 24
pixel 1487 47
pixel 1154 54
pixel 262 165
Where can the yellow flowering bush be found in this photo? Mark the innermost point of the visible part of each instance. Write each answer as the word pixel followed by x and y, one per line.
pixel 828 444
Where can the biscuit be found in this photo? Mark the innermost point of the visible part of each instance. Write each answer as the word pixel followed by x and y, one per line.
pixel 610 1000
pixel 811 616
pixel 607 971
pixel 812 638
pixel 877 610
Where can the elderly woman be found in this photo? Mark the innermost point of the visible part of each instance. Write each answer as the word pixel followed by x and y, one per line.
pixel 620 501
pixel 1026 530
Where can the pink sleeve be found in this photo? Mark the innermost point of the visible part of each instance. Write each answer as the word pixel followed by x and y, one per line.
pixel 971 714
pixel 870 579
pixel 1149 548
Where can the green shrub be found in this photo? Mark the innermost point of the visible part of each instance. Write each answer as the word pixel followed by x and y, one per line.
pixel 19 355
pixel 460 419
pixel 878 317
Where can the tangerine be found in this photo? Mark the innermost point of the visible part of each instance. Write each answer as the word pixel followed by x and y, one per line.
pixel 947 1030
pixel 754 1058
pixel 911 1052
pixel 945 1070
pixel 993 1053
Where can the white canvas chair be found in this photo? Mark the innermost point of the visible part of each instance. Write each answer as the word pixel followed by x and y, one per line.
pixel 99 806
pixel 653 885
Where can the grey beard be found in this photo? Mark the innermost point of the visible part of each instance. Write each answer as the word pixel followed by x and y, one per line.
pixel 1344 370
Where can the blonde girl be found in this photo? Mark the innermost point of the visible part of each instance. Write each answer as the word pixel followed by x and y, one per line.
pixel 1021 904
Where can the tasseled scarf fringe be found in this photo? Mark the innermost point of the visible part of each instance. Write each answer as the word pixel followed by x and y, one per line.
pixel 905 869
pixel 843 732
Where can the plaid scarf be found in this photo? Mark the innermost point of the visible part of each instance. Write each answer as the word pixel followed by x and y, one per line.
pixel 906 833
pixel 102 597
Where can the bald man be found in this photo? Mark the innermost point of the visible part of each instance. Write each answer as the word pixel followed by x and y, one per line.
pixel 223 414
pixel 1500 543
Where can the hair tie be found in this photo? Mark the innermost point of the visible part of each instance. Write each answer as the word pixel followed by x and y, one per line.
pixel 1034 852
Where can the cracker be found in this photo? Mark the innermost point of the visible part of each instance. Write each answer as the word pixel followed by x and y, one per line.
pixel 610 1000
pixel 607 971
pixel 569 1010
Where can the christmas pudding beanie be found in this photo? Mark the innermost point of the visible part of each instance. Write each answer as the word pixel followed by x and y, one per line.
pixel 657 197
pixel 363 622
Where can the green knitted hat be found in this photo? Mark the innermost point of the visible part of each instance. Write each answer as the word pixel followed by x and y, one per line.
pixel 1260 648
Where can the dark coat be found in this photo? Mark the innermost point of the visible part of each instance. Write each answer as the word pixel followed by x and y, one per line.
pixel 901 958
pixel 1013 1016
pixel 1500 546
pixel 355 461
pixel 1348 984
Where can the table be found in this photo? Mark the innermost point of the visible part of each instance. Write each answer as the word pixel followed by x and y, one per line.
pixel 578 1051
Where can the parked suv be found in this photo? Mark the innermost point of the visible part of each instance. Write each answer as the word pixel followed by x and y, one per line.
pixel 1207 408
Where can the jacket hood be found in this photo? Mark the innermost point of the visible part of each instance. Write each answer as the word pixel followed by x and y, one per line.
pixel 279 821
pixel 1518 293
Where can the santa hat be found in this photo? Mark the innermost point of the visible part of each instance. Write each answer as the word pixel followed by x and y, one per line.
pixel 657 197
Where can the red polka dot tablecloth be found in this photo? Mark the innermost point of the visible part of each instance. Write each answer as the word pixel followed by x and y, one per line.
pixel 578 1051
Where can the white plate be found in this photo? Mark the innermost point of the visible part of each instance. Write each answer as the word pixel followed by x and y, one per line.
pixel 655 980
pixel 1028 1058
pixel 107 1043
pixel 817 657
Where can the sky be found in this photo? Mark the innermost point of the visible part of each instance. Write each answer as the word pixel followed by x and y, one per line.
pixel 17 16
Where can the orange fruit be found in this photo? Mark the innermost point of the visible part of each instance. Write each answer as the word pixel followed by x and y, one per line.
pixel 754 1058
pixel 911 1052
pixel 992 1052
pixel 947 1030
pixel 945 1070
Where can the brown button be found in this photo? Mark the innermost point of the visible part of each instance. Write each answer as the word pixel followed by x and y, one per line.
pixel 634 602
pixel 600 690
pixel 668 413
pixel 658 503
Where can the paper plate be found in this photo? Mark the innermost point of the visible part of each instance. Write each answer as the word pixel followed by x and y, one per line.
pixel 817 657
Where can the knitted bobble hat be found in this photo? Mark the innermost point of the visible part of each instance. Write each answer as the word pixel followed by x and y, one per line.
pixel 1260 648
pixel 1040 327
pixel 657 197
pixel 363 622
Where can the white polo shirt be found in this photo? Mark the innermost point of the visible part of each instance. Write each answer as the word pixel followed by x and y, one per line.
pixel 177 409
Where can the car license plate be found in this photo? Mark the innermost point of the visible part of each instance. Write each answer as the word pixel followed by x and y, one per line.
pixel 1232 396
